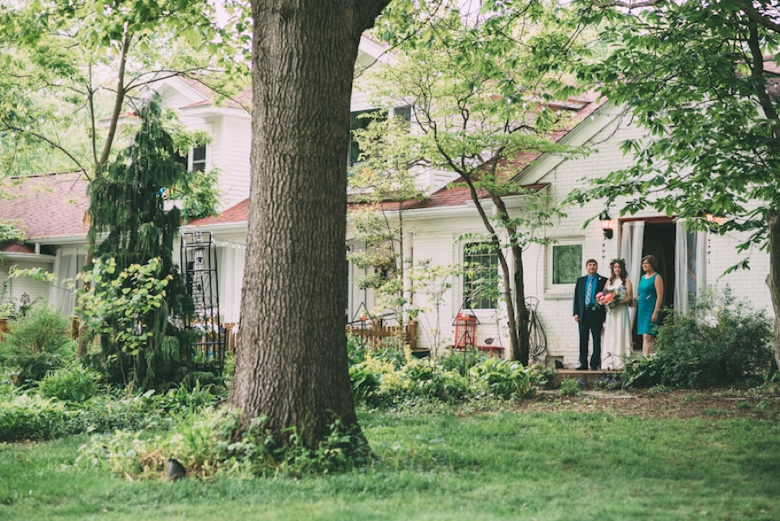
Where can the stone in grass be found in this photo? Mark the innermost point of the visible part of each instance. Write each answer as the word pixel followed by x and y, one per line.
pixel 174 470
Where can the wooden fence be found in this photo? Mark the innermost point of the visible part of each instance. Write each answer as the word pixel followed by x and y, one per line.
pixel 374 332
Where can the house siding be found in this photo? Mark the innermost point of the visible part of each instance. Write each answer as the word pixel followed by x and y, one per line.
pixel 231 146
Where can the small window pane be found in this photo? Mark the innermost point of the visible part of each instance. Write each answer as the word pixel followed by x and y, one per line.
pixel 404 113
pixel 199 158
pixel 480 283
pixel 567 263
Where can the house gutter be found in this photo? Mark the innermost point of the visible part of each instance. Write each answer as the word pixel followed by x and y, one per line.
pixel 28 257
pixel 235 227
pixel 65 239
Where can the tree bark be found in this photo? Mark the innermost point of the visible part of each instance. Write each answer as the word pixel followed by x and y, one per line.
pixel 519 320
pixel 773 279
pixel 291 363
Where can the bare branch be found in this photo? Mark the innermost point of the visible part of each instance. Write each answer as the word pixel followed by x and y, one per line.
pixel 118 102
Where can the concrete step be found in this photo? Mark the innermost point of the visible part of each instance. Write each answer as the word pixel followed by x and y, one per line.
pixel 589 377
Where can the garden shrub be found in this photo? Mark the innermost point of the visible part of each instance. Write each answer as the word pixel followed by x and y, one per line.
pixel 571 387
pixel 31 417
pixel 41 330
pixel 504 378
pixel 426 378
pixel 725 341
pixel 206 443
pixel 35 343
pixel 462 361
pixel 73 383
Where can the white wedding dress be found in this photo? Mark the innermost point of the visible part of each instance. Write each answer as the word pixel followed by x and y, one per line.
pixel 616 344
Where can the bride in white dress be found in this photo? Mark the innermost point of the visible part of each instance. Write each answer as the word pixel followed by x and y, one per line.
pixel 616 345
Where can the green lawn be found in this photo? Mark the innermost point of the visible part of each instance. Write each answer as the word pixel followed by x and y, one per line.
pixel 506 465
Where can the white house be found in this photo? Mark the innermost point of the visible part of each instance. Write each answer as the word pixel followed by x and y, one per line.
pixel 432 227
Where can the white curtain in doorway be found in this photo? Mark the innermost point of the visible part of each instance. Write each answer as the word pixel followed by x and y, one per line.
pixel 689 266
pixel 632 238
pixel 67 263
pixel 230 269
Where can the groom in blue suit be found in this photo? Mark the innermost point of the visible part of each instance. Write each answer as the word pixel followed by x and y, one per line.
pixel 589 316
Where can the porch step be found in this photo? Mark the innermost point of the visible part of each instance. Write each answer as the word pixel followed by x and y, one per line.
pixel 590 377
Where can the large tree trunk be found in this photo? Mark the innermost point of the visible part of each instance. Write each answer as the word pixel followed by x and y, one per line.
pixel 773 279
pixel 291 363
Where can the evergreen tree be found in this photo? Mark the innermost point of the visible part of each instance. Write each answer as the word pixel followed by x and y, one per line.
pixel 127 205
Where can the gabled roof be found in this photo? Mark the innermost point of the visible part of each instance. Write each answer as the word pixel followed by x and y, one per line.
pixel 47 206
pixel 459 194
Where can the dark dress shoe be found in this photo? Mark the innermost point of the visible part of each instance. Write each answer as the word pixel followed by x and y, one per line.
pixel 582 368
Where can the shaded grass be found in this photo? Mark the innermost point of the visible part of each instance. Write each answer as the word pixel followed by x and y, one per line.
pixel 545 466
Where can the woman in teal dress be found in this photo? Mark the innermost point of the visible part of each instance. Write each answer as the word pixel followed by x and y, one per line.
pixel 649 301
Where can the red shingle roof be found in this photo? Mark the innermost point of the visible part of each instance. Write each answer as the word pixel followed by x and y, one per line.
pixel 459 194
pixel 241 101
pixel 15 247
pixel 235 214
pixel 47 206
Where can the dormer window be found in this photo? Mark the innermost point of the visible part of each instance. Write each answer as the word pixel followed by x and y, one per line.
pixel 195 161
pixel 198 159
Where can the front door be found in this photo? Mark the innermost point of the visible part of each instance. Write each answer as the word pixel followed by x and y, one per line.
pixel 659 241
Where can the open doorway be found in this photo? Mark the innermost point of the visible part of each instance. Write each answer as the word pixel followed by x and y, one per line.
pixel 659 241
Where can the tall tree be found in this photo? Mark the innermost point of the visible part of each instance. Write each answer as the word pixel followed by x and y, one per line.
pixel 702 78
pixel 127 205
pixel 291 363
pixel 74 68
pixel 380 185
pixel 482 87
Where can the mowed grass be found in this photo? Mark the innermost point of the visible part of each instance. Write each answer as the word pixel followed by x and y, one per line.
pixel 506 465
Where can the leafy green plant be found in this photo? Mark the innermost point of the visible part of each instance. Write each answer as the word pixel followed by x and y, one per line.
pixel 504 378
pixel 27 417
pixel 545 376
pixel 725 341
pixel 425 378
pixel 73 383
pixel 462 361
pixel 35 343
pixel 205 444
pixel 570 387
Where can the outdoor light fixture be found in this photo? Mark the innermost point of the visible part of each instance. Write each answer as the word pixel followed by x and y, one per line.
pixel 712 222
pixel 606 225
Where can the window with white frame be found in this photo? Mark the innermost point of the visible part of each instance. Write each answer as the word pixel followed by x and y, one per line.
pixel 480 281
pixel 195 161
pixel 199 158
pixel 565 261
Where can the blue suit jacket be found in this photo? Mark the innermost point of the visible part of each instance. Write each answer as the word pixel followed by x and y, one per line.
pixel 579 296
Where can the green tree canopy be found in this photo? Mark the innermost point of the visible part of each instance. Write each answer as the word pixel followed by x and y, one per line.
pixel 702 79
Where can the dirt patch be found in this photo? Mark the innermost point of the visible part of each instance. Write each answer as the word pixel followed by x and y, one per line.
pixel 719 403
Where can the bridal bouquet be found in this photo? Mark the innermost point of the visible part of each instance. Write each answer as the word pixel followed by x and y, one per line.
pixel 610 298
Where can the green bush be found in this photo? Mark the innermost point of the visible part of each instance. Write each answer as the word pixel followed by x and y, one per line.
pixel 35 344
pixel 31 418
pixel 73 383
pixel 206 444
pixel 462 361
pixel 570 387
pixel 725 341
pixel 504 378
pixel 427 379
